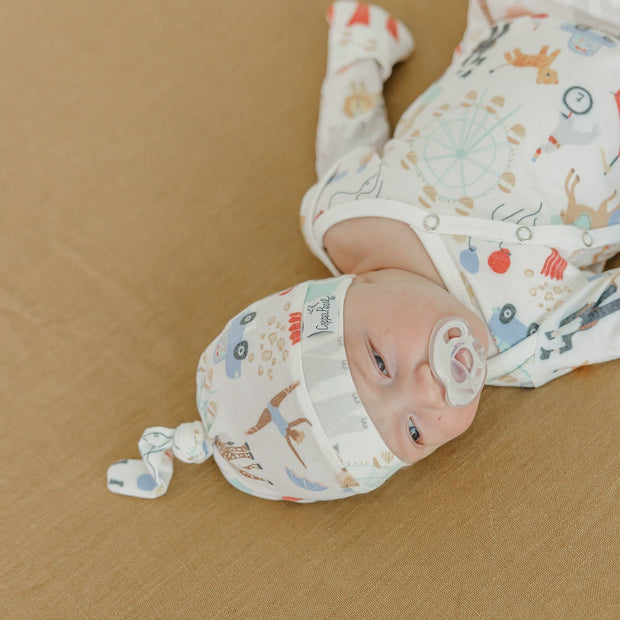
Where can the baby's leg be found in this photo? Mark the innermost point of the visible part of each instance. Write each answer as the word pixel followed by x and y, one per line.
pixel 364 43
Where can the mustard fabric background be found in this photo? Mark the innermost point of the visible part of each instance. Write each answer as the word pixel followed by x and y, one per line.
pixel 154 155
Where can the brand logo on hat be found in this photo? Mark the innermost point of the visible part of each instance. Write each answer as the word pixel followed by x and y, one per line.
pixel 321 315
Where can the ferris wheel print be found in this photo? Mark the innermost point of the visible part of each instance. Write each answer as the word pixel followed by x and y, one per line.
pixel 464 151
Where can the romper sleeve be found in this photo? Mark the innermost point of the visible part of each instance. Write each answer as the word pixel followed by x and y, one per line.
pixel 485 13
pixel 584 330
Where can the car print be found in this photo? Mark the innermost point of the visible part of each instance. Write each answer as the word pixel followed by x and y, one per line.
pixel 586 41
pixel 507 330
pixel 232 347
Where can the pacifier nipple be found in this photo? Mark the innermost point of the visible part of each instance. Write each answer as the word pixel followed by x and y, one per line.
pixel 457 360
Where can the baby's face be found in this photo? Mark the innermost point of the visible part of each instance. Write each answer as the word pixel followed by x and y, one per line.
pixel 389 316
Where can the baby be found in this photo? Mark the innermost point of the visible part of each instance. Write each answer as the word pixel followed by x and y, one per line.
pixel 474 244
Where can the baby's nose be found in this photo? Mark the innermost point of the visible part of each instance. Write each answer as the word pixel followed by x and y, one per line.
pixel 429 392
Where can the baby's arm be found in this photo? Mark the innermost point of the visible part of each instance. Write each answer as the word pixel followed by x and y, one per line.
pixel 483 13
pixel 364 42
pixel 593 13
pixel 584 330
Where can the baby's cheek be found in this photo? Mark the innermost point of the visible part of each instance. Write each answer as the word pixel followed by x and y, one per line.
pixel 459 420
pixel 393 430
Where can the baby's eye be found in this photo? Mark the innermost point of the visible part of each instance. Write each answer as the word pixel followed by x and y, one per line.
pixel 413 431
pixel 380 363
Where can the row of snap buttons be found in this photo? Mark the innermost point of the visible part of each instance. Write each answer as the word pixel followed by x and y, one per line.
pixel 523 233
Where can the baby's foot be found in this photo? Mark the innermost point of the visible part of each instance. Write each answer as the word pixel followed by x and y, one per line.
pixel 359 31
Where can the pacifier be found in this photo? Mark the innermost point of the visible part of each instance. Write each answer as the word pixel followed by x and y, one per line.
pixel 458 362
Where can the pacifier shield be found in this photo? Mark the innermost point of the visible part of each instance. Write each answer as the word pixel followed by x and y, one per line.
pixel 458 360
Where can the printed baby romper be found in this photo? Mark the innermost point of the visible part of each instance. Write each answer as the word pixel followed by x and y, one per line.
pixel 507 168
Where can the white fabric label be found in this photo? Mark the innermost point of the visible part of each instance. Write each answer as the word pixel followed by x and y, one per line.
pixel 320 315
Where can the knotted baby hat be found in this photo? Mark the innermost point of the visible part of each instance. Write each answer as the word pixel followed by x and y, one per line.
pixel 279 410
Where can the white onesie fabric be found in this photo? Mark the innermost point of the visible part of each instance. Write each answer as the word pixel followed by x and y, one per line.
pixel 507 169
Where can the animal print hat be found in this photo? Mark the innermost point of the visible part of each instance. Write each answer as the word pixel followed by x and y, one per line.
pixel 279 410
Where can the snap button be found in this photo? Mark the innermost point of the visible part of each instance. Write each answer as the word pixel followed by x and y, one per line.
pixel 431 222
pixel 586 238
pixel 524 233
